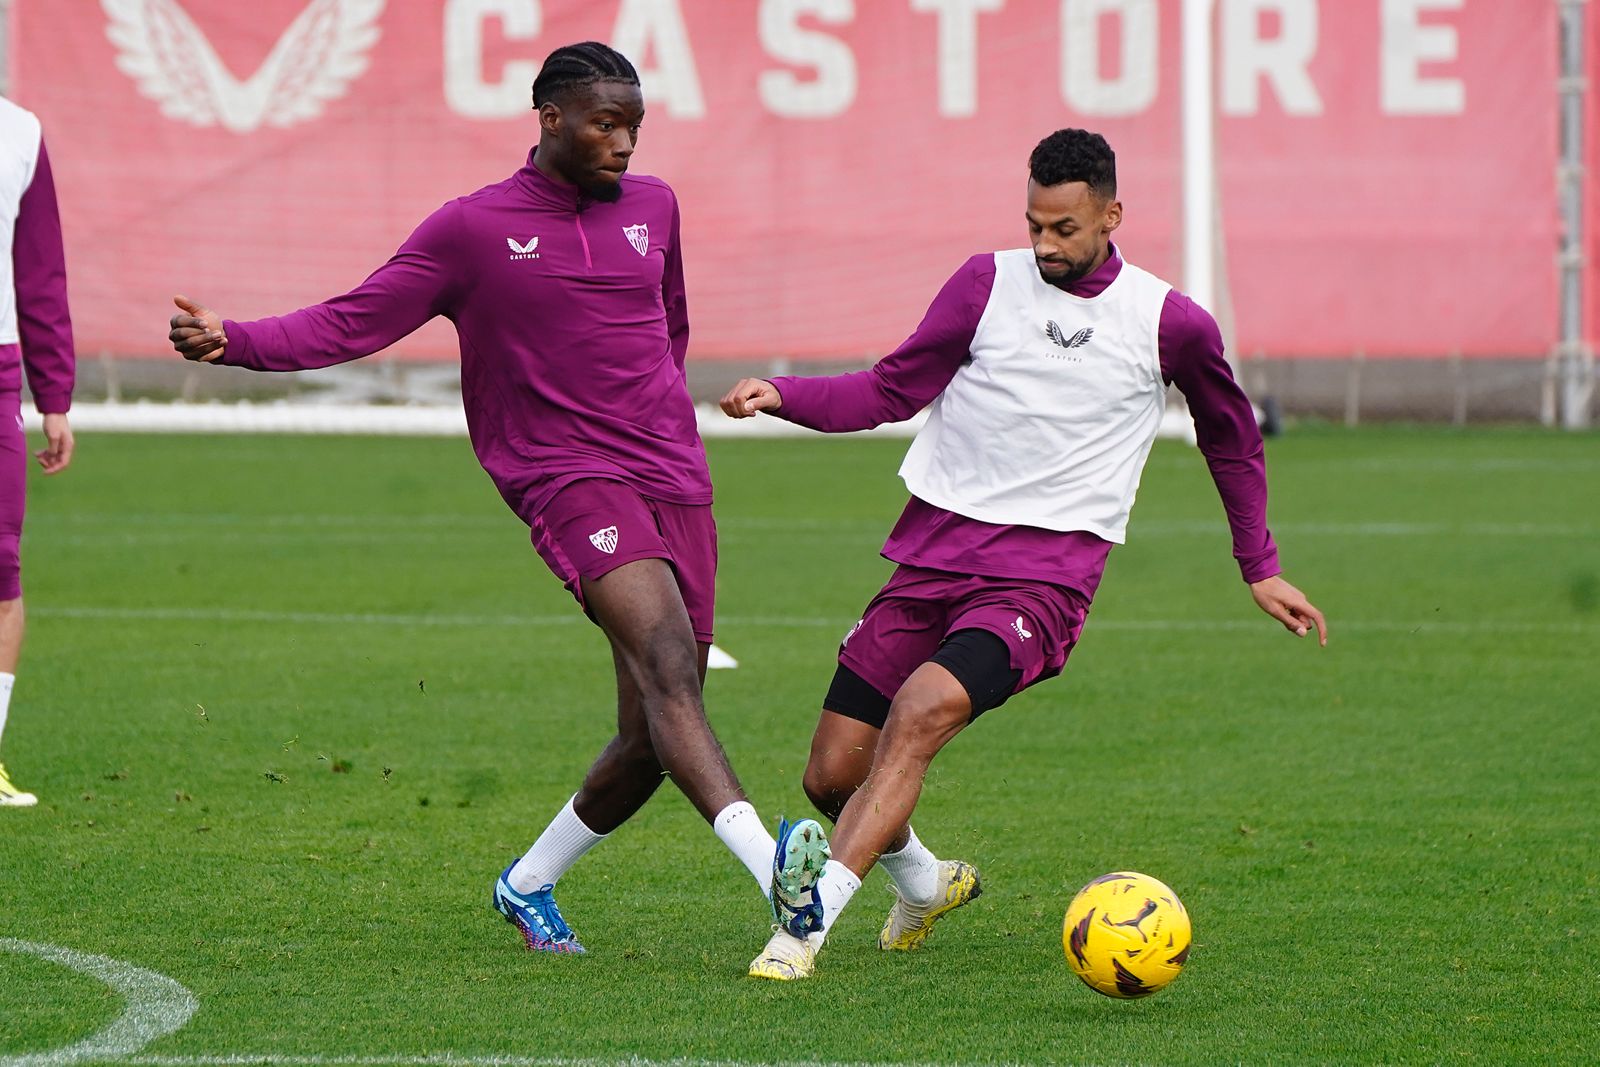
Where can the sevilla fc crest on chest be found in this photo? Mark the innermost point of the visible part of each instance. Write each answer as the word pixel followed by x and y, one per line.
pixel 638 236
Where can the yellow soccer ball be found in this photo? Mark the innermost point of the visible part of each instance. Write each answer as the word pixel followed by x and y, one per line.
pixel 1126 934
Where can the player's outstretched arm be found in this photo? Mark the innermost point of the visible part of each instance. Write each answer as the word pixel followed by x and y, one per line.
pixel 197 331
pixel 750 397
pixel 422 279
pixel 896 387
pixel 1289 606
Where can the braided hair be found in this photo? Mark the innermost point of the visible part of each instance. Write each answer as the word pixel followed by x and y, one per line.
pixel 579 66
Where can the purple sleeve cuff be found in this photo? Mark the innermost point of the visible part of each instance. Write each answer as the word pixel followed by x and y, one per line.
pixel 54 402
pixel 1261 566
pixel 236 352
pixel 809 401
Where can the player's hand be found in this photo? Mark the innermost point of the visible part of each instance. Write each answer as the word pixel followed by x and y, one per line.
pixel 750 396
pixel 1289 606
pixel 197 332
pixel 57 451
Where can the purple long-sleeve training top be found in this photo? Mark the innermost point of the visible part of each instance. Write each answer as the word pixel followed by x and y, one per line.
pixel 39 279
pixel 573 330
pixel 910 377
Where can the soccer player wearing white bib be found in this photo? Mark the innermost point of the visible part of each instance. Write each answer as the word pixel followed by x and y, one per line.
pixel 36 343
pixel 1047 370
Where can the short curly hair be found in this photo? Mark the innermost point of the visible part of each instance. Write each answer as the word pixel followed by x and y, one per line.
pixel 1076 156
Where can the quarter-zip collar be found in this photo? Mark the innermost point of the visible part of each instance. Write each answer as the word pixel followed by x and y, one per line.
pixel 548 191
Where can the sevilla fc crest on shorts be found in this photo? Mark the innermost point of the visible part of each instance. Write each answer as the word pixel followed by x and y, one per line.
pixel 605 540
pixel 638 236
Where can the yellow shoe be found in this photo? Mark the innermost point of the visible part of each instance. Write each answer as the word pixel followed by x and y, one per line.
pixel 908 925
pixel 785 958
pixel 11 796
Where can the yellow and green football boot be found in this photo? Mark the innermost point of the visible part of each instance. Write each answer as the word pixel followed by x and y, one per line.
pixel 908 925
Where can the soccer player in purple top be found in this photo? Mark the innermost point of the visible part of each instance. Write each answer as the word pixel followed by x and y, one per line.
pixel 36 339
pixel 565 285
pixel 1047 370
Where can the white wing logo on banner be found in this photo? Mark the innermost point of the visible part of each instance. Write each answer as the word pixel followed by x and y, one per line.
pixel 316 59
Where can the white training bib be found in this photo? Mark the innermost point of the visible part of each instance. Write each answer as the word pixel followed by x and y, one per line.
pixel 1050 421
pixel 19 155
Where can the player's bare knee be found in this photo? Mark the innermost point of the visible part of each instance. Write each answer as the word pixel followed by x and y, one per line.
pixel 841 755
pixel 919 725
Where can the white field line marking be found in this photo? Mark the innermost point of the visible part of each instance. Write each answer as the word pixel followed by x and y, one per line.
pixel 1395 464
pixel 1184 528
pixel 868 537
pixel 308 617
pixel 1415 529
pixel 454 1060
pixel 314 520
pixel 157 1006
pixel 428 526
pixel 259 538
pixel 1265 625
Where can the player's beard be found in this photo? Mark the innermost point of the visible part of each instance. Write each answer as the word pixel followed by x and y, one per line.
pixel 1072 274
pixel 605 192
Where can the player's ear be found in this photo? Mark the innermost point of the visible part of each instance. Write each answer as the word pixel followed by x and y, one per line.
pixel 1113 215
pixel 550 117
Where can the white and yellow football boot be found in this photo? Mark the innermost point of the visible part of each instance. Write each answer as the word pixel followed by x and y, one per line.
pixel 908 925
pixel 785 958
pixel 796 865
pixel 11 796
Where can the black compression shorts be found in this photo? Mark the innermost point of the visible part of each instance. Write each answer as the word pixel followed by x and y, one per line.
pixel 978 659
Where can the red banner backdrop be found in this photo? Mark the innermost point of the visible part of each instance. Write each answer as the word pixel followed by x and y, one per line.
pixel 1387 166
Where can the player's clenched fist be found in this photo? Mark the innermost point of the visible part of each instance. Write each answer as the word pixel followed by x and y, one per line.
pixel 197 331
pixel 750 396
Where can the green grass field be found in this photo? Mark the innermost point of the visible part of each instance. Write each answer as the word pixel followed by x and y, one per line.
pixel 291 704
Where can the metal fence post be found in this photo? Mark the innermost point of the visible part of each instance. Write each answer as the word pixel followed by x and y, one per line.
pixel 1352 389
pixel 1573 356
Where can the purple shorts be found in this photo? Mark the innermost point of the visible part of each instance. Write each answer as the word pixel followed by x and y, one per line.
pixel 13 485
pixel 592 527
pixel 910 617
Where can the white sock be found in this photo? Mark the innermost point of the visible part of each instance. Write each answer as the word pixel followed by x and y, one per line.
pixel 6 682
pixel 834 888
pixel 742 830
pixel 561 845
pixel 915 870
